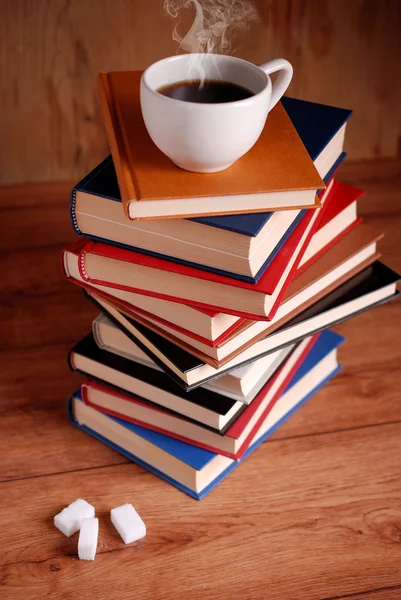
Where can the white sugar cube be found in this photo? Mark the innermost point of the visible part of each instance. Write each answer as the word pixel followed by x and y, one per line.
pixel 87 541
pixel 128 523
pixel 68 521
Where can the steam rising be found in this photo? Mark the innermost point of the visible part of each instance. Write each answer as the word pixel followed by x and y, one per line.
pixel 214 21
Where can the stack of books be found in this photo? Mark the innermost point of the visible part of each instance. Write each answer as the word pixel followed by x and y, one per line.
pixel 216 291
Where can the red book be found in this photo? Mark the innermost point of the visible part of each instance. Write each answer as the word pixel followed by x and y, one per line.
pixel 206 325
pixel 338 219
pixel 112 267
pixel 345 196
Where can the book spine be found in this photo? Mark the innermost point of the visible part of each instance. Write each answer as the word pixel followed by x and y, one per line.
pixel 73 216
pixel 84 392
pixel 81 261
pixel 74 248
pixel 81 185
pixel 70 408
pixel 64 265
pixel 70 361
pixel 96 335
pixel 116 142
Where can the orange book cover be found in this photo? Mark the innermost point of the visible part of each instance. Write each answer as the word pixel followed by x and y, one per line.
pixel 278 162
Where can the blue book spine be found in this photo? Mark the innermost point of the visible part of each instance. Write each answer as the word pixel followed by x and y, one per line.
pixel 223 475
pixel 72 211
pixel 198 457
pixel 84 183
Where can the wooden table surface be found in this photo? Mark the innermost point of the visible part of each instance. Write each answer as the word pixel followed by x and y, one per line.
pixel 315 513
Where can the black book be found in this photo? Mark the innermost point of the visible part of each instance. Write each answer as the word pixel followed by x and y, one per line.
pixel 157 388
pixel 371 287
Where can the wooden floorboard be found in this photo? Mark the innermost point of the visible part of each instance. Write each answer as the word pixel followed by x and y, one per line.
pixel 321 504
pixel 313 514
pixel 385 593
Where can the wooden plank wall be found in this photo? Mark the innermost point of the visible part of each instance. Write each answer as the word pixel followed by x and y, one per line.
pixel 345 52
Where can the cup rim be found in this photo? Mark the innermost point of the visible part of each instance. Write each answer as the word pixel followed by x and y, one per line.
pixel 208 104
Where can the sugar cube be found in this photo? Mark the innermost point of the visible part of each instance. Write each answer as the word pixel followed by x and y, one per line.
pixel 68 521
pixel 128 523
pixel 87 541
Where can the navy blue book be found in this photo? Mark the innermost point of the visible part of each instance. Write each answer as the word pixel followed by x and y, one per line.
pixel 191 469
pixel 236 246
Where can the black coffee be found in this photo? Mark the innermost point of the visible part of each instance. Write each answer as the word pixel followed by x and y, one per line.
pixel 210 92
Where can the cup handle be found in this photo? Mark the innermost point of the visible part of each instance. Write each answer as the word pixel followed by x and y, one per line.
pixel 283 78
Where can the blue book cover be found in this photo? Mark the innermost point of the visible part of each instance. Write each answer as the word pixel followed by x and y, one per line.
pixel 316 125
pixel 198 458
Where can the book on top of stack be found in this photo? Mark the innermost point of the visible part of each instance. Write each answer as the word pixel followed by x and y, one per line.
pixel 235 245
pixel 151 186
pixel 216 292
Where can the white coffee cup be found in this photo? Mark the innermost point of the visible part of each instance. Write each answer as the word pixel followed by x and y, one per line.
pixel 210 137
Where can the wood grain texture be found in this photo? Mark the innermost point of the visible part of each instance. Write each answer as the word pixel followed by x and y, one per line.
pixel 344 53
pixel 293 536
pixel 314 514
